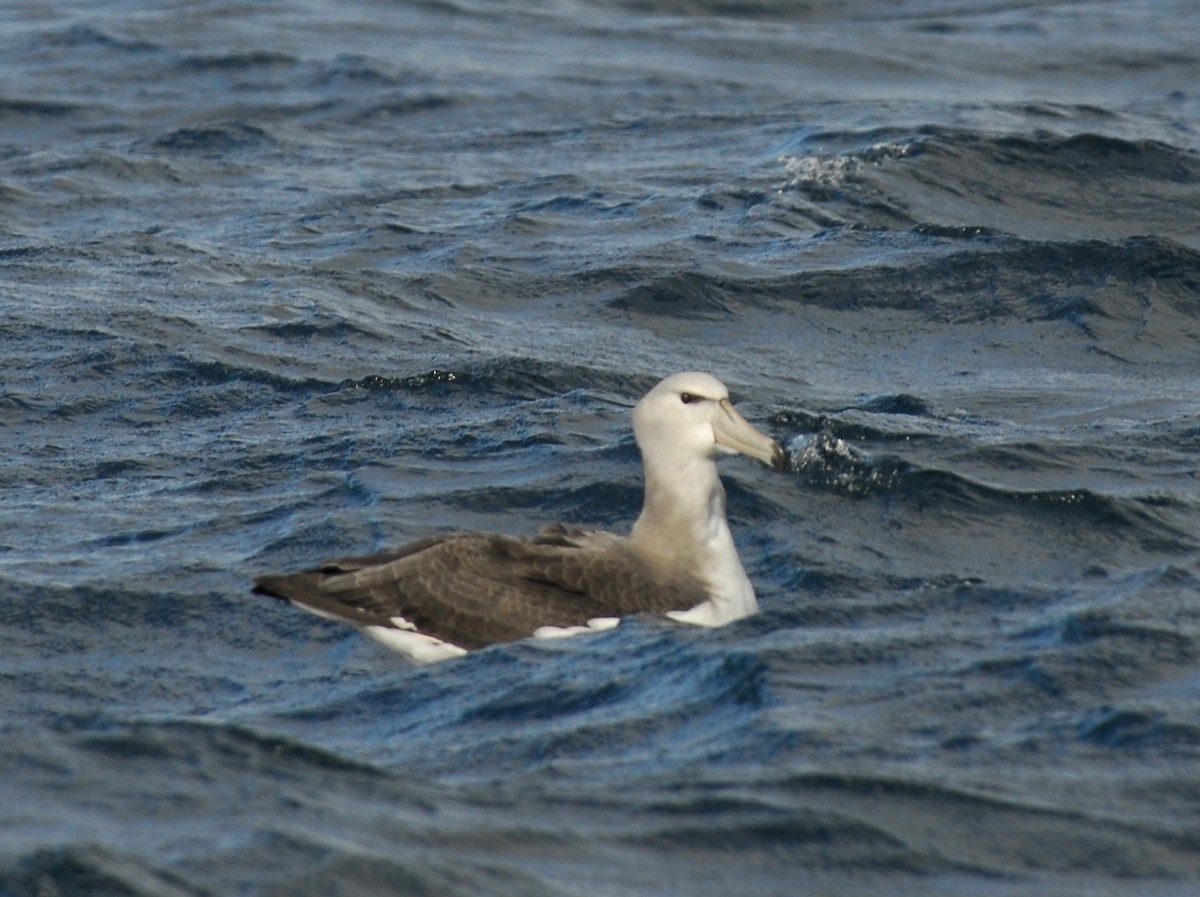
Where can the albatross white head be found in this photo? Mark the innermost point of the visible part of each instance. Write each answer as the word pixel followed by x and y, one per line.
pixel 682 425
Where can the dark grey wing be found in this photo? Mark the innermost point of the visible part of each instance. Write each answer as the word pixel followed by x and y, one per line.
pixel 452 588
pixel 616 581
pixel 575 537
pixel 475 590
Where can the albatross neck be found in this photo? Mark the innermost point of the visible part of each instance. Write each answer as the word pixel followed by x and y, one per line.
pixel 683 523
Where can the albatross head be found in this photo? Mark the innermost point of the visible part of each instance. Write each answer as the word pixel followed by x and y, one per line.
pixel 681 426
pixel 689 417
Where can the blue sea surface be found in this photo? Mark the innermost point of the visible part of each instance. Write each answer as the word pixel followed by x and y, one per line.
pixel 289 280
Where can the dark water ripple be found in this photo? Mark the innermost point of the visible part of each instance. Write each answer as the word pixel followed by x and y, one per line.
pixel 283 282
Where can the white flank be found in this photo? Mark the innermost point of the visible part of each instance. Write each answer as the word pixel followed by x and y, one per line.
pixel 596 624
pixel 703 614
pixel 413 645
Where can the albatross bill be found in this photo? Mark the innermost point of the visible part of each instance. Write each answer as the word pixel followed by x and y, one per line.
pixel 442 596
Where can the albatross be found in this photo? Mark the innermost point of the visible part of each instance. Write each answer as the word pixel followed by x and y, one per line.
pixel 442 596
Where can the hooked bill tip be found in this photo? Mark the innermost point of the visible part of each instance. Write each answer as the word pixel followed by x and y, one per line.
pixel 779 457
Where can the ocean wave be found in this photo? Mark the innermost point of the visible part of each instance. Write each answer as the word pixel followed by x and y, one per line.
pixel 1149 522
pixel 1039 186
pixel 84 869
pixel 84 36
pixel 1133 298
pixel 219 140
pixel 236 61
pixel 14 107
pixel 1133 727
pixel 1017 831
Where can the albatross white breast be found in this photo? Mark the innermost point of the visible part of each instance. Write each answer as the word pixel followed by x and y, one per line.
pixel 442 596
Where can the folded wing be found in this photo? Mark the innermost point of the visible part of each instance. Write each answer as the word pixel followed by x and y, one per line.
pixel 472 590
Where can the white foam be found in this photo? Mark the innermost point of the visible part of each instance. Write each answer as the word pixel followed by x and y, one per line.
pixel 831 172
pixel 817 171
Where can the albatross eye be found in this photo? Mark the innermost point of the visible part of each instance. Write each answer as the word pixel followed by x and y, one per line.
pixel 687 398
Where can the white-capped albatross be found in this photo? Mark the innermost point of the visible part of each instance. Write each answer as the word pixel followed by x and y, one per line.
pixel 442 596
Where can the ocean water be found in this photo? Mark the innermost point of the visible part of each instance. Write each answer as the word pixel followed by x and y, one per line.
pixel 286 280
